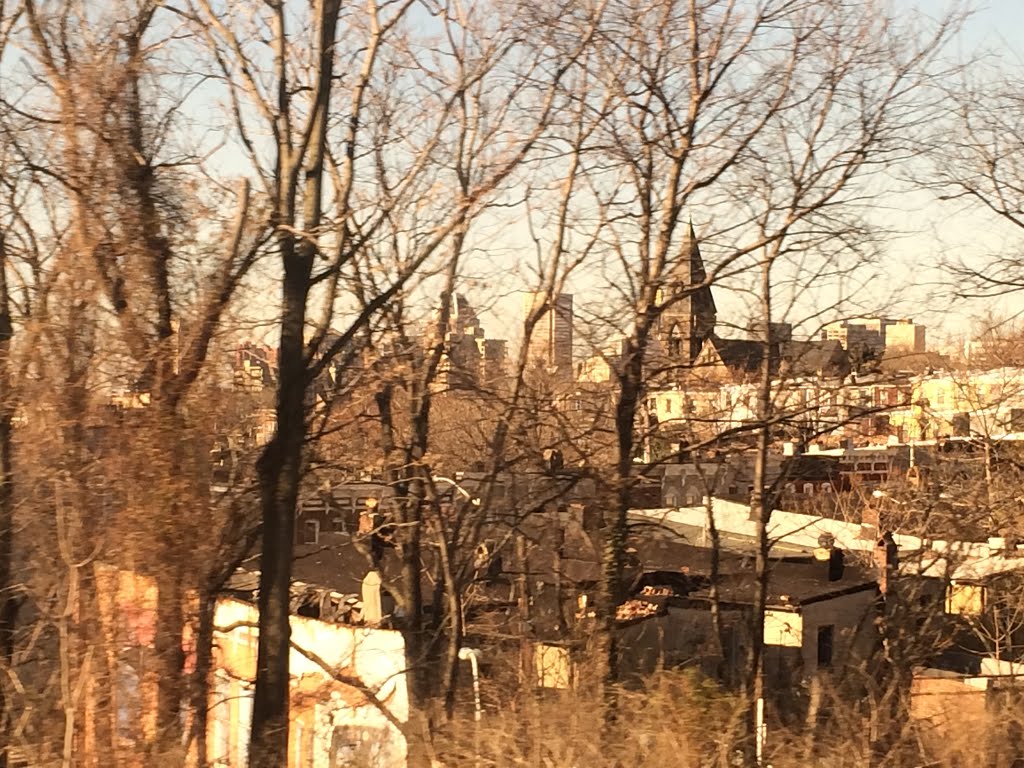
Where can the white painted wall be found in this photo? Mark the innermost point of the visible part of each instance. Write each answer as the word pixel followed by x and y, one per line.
pixel 786 527
pixel 376 657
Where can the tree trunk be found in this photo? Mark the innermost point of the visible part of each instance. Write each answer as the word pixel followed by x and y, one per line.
pixel 616 532
pixel 8 602
pixel 280 471
pixel 760 510
pixel 280 466
pixel 201 674
pixel 170 662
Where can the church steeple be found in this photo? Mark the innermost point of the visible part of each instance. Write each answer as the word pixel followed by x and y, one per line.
pixel 689 316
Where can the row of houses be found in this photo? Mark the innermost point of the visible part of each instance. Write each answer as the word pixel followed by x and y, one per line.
pixel 924 406
pixel 834 583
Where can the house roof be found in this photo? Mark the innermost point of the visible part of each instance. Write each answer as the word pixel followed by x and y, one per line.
pixel 794 580
pixel 983 568
pixel 741 355
pixel 792 583
pixel 897 360
pixel 814 358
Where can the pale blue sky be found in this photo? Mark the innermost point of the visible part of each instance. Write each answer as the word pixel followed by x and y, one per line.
pixel 996 29
pixel 930 232
pixel 997 23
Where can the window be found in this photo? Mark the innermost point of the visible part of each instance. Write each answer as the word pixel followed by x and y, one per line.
pixel 344 518
pixel 554 669
pixel 128 703
pixel 668 405
pixel 965 599
pixel 675 343
pixel 825 641
pixel 302 746
pixel 310 531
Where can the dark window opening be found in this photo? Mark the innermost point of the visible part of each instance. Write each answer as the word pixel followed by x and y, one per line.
pixel 826 636
pixel 675 343
pixel 310 532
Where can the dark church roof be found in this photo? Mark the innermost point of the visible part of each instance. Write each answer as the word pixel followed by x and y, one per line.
pixel 793 358
pixel 688 313
pixel 741 355
pixel 815 358
pixel 900 360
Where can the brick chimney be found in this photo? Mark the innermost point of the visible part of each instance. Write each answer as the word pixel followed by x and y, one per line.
pixel 869 522
pixel 836 565
pixel 886 562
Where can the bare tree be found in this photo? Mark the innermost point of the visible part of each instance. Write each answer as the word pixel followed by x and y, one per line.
pixel 354 251
pixel 772 120
pixel 149 265
pixel 975 163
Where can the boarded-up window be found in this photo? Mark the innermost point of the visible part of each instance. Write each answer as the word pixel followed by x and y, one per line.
pixel 353 745
pixel 968 599
pixel 553 666
pixel 783 628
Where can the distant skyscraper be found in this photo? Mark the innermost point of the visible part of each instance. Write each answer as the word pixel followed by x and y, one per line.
pixel 470 359
pixel 877 334
pixel 550 343
pixel 494 358
pixel 905 335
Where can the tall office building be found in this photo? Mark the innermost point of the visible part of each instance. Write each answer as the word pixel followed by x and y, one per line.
pixel 470 359
pixel 877 333
pixel 905 335
pixel 550 343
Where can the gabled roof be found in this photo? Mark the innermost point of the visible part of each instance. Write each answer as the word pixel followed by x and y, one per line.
pixel 740 355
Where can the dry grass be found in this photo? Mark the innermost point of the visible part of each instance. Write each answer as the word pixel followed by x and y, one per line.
pixel 680 721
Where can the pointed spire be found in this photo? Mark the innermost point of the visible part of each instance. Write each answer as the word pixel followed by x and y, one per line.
pixel 691 254
pixel 693 313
